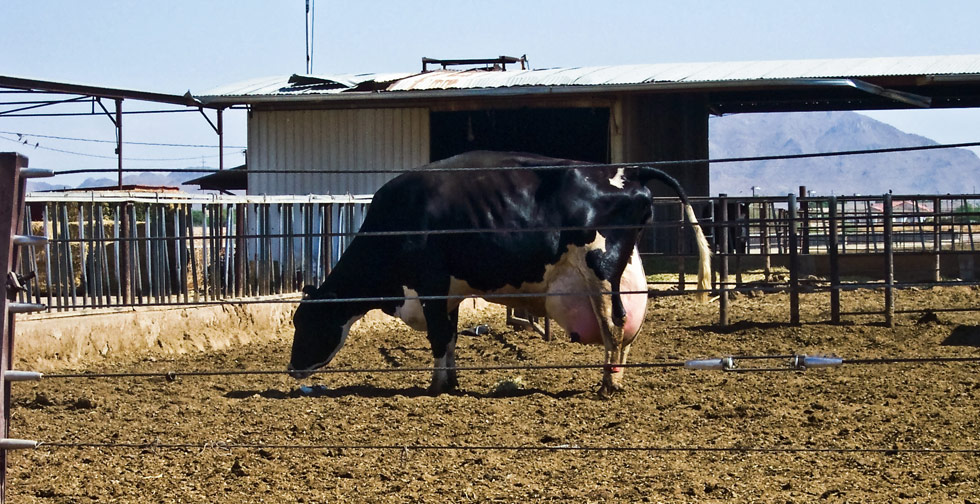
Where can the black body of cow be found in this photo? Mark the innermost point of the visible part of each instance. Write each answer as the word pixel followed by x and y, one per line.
pixel 540 215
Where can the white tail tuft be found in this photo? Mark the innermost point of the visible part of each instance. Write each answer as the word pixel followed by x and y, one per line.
pixel 704 256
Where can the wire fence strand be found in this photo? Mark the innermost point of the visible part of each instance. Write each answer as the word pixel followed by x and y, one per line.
pixel 512 448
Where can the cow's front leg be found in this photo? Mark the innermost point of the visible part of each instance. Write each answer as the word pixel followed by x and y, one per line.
pixel 612 372
pixel 616 348
pixel 442 326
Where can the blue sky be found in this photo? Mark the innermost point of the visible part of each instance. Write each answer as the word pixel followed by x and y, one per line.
pixel 179 45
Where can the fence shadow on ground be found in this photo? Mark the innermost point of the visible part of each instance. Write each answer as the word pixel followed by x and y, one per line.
pixel 963 335
pixel 375 392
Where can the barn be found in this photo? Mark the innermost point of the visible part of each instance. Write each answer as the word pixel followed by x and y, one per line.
pixel 348 134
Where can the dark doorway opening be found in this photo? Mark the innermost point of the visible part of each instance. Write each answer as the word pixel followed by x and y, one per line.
pixel 571 133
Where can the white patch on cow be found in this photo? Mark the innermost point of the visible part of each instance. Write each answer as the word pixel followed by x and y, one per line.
pixel 619 179
pixel 451 353
pixel 344 331
pixel 570 271
pixel 410 311
pixel 440 377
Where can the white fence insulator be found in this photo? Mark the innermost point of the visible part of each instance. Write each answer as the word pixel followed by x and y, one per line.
pixel 17 444
pixel 12 375
pixel 707 364
pixel 813 361
pixel 35 173
pixel 30 240
pixel 26 307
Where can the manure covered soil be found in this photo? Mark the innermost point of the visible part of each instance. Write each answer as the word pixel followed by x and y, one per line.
pixel 844 434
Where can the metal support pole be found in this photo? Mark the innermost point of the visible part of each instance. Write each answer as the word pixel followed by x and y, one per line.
pixel 681 259
pixel 240 249
pixel 119 143
pixel 723 260
pixel 221 140
pixel 834 264
pixel 889 264
pixel 13 173
pixel 805 222
pixel 937 243
pixel 764 232
pixel 794 264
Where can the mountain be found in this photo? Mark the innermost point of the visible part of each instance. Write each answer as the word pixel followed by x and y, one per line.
pixel 940 171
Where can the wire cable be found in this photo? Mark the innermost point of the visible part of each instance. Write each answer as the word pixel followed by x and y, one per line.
pixel 585 166
pixel 113 142
pixel 512 448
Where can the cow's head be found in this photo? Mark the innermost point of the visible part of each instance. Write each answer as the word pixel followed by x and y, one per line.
pixel 321 330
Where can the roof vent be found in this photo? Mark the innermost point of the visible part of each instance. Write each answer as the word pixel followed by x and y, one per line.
pixel 492 64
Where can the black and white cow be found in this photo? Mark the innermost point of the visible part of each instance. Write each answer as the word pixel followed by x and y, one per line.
pixel 539 230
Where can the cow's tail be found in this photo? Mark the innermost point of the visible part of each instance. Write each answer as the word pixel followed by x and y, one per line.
pixel 648 173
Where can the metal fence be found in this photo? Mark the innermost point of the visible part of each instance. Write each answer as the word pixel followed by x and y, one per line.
pixel 115 249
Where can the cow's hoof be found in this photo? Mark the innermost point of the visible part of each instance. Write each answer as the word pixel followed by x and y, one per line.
pixel 437 389
pixel 608 390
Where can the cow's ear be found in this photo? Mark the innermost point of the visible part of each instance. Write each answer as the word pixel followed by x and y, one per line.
pixel 308 291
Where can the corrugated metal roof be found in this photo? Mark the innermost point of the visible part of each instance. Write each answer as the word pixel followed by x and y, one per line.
pixel 720 72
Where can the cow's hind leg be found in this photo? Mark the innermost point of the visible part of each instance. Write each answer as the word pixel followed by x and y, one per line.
pixel 442 327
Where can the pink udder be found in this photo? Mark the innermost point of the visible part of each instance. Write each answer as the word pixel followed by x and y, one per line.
pixel 576 316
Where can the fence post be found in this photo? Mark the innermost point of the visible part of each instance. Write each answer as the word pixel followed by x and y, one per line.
pixel 834 264
pixel 12 175
pixel 889 264
pixel 723 260
pixel 805 222
pixel 764 232
pixel 681 258
pixel 937 243
pixel 794 264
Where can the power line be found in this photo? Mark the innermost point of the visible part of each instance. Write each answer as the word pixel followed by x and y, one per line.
pixel 151 144
pixel 681 162
pixel 101 156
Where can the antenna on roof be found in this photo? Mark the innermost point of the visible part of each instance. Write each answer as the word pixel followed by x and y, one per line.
pixel 310 28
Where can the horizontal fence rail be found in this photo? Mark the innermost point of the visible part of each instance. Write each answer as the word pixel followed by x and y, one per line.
pixel 122 250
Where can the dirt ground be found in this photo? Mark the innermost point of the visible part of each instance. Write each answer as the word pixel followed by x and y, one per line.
pixel 674 435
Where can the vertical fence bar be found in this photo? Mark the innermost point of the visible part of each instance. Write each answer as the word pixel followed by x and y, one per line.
pixel 125 259
pixel 937 243
pixel 68 255
pixel 151 285
pixel 228 286
pixel 48 233
pixel 764 232
pixel 805 220
pixel 681 258
pixel 83 261
pixel 889 263
pixel 240 249
pixel 193 251
pixel 205 257
pixel 101 255
pixel 722 240
pixel 135 270
pixel 116 243
pixel 834 263
pixel 794 264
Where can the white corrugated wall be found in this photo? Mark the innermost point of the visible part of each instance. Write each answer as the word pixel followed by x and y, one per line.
pixel 317 140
